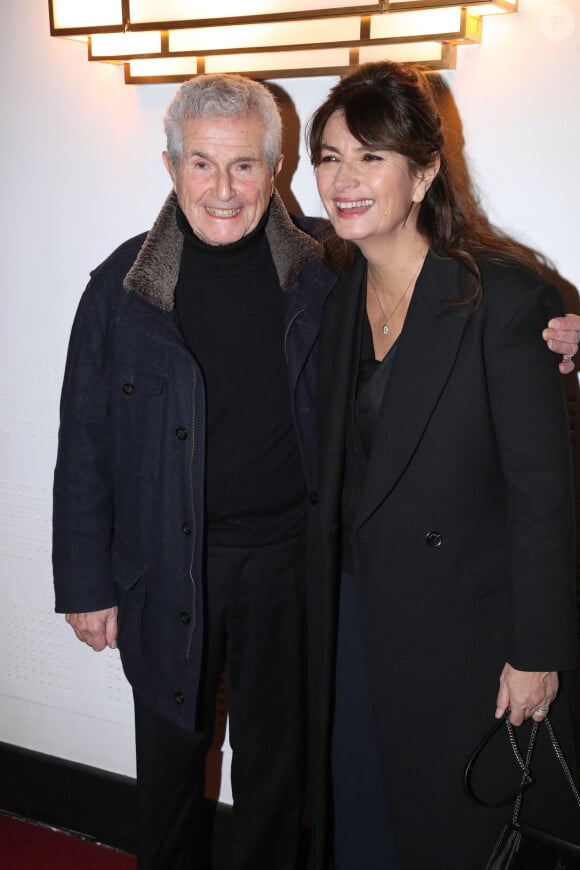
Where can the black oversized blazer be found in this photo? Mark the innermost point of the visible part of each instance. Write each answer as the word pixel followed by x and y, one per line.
pixel 464 545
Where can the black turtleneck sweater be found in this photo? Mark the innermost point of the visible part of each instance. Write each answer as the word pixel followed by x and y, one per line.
pixel 230 309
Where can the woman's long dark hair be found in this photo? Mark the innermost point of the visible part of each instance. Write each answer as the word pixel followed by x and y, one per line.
pixel 389 106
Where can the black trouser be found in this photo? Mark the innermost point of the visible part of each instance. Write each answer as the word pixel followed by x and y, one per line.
pixel 253 633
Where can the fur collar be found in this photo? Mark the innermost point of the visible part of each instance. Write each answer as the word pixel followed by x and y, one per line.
pixel 155 272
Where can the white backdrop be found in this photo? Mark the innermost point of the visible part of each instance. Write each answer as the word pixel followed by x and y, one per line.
pixel 80 172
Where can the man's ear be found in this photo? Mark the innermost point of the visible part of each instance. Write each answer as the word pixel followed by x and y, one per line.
pixel 276 171
pixel 169 166
pixel 278 166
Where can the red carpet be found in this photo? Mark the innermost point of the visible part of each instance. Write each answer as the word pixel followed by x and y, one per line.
pixel 26 846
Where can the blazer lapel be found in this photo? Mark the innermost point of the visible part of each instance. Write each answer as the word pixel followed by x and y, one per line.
pixel 427 350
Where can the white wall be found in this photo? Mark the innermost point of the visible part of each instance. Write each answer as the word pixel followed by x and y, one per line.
pixel 81 171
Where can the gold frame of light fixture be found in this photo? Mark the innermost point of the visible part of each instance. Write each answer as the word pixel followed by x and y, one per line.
pixel 293 39
pixel 136 74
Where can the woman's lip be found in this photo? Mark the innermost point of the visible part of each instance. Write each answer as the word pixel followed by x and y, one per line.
pixel 347 207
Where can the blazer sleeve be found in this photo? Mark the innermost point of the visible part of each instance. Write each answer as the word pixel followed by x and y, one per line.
pixel 531 426
pixel 83 485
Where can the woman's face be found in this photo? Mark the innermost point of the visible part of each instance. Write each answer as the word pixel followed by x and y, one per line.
pixel 367 194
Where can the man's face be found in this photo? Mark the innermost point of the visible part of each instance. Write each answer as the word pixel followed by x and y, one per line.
pixel 223 183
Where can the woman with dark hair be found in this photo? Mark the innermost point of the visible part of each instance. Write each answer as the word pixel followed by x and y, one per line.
pixel 442 535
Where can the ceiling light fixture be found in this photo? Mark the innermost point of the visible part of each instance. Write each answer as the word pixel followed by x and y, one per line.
pixel 173 40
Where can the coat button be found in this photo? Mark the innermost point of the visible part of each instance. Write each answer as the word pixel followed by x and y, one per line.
pixel 185 618
pixel 185 529
pixel 433 539
pixel 313 497
pixel 128 389
pixel 179 698
pixel 181 433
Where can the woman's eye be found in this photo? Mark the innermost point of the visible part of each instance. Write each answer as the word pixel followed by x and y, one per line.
pixel 328 158
pixel 369 158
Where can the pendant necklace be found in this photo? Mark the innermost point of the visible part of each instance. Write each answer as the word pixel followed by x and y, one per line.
pixel 390 317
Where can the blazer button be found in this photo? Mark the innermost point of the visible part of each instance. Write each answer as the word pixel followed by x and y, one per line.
pixel 128 389
pixel 313 497
pixel 433 539
pixel 181 433
pixel 185 529
pixel 185 618
pixel 179 698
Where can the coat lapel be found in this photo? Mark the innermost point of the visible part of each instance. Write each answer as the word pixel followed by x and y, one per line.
pixel 427 350
pixel 337 375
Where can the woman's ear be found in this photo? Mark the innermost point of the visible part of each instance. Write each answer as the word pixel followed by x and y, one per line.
pixel 425 178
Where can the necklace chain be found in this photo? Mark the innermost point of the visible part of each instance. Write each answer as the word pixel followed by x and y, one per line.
pixel 390 317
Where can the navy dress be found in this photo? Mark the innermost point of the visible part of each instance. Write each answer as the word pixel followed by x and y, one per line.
pixel 363 838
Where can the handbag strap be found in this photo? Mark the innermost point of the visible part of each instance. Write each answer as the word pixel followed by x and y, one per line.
pixel 527 778
pixel 559 755
pixel 562 760
pixel 524 764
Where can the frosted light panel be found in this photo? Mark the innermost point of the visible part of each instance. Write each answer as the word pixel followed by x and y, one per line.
pixel 143 11
pixel 278 60
pixel 164 66
pixel 418 24
pixel 86 13
pixel 269 34
pixel 123 44
pixel 410 52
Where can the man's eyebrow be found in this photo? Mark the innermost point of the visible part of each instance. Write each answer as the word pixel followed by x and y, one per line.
pixel 241 159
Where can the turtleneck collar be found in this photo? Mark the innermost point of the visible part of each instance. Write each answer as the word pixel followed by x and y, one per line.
pixel 155 272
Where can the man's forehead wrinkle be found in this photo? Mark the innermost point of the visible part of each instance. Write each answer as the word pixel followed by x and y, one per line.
pixel 211 156
pixel 198 152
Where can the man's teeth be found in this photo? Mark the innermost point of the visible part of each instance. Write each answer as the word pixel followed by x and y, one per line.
pixel 360 203
pixel 223 212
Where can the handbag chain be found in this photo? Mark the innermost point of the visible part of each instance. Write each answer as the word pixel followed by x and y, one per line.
pixel 525 765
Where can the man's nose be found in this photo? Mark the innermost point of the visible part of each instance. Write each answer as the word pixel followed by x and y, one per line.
pixel 223 184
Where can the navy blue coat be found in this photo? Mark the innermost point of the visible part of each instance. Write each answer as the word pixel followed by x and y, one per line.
pixel 128 505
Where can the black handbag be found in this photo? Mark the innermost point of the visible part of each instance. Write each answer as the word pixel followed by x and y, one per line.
pixel 521 846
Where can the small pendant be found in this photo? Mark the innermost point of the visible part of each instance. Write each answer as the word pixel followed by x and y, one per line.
pixel 385 329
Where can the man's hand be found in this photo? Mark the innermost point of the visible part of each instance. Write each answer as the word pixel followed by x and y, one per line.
pixel 526 693
pixel 98 628
pixel 562 336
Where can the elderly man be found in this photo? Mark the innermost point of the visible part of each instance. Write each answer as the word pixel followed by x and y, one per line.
pixel 180 486
pixel 180 493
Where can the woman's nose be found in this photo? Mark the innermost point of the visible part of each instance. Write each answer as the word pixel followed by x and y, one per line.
pixel 345 175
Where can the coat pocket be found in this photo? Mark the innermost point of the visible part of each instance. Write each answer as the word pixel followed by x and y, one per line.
pixel 486 573
pixel 138 405
pixel 129 572
pixel 128 566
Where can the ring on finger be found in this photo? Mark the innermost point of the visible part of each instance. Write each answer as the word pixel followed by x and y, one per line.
pixel 542 710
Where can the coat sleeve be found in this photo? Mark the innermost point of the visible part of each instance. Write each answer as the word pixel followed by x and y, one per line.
pixel 531 426
pixel 83 485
